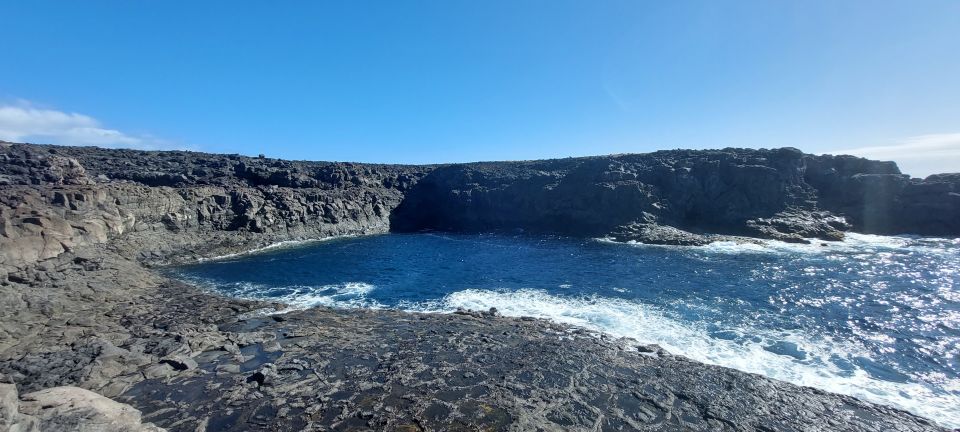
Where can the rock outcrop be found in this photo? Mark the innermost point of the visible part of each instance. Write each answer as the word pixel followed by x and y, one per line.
pixel 780 194
pixel 81 306
pixel 185 205
pixel 875 198
pixel 67 409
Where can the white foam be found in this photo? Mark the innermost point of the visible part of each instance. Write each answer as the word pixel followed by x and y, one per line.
pixel 817 361
pixel 346 295
pixel 746 351
pixel 852 242
pixel 349 295
pixel 278 245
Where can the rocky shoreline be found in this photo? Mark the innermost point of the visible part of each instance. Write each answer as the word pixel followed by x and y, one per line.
pixel 83 310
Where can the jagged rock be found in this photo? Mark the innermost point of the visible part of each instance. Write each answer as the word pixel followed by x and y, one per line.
pixel 653 233
pixel 795 226
pixel 181 362
pixel 265 376
pixel 161 370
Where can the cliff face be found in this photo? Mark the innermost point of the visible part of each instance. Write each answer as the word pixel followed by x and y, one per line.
pixel 876 199
pixel 782 194
pixel 182 205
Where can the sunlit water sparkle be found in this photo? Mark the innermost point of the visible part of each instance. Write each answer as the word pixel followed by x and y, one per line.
pixel 874 317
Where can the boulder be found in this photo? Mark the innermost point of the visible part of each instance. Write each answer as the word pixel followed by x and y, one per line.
pixel 75 409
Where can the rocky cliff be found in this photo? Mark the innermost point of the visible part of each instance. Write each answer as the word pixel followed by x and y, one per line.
pixel 55 198
pixel 80 229
pixel 676 196
pixel 182 205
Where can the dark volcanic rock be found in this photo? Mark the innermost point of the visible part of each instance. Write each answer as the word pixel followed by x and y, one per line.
pixel 400 371
pixel 795 226
pixel 780 194
pixel 653 233
pixel 876 198
pixel 80 306
pixel 50 203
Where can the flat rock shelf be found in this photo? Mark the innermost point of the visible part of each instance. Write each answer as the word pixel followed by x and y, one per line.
pixel 384 370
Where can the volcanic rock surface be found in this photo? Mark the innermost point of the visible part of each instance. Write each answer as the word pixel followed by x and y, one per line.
pixel 81 308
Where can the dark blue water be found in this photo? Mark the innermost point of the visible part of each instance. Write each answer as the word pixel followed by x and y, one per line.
pixel 874 317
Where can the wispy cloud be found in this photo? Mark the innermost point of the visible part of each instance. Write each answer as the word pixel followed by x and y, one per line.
pixel 918 156
pixel 24 122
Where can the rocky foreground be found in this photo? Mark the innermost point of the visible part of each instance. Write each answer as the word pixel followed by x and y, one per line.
pixel 91 338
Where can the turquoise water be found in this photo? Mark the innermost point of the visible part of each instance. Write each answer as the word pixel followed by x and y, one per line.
pixel 873 317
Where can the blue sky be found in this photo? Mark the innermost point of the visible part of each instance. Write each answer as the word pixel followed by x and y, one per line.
pixel 452 81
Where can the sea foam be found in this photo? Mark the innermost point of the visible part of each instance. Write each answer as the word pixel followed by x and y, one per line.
pixel 836 362
pixel 816 362
pixel 296 297
pixel 274 246
pixel 852 242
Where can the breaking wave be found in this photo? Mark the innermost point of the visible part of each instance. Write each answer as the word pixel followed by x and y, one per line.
pixel 852 242
pixel 274 246
pixel 792 356
pixel 297 297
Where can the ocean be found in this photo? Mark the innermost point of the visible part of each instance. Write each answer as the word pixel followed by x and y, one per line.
pixel 875 317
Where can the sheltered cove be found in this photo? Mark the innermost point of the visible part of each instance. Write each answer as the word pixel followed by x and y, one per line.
pixel 82 229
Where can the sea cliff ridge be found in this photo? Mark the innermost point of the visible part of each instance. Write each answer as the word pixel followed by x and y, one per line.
pixel 81 229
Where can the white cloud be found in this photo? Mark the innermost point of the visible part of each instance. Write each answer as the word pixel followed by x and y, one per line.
pixel 918 156
pixel 22 122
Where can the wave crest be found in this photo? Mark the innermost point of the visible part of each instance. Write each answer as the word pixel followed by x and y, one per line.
pixel 833 365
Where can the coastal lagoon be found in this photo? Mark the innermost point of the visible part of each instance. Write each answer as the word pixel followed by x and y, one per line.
pixel 874 317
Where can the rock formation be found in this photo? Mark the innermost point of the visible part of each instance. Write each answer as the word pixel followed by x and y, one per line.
pixel 780 194
pixel 81 306
pixel 67 409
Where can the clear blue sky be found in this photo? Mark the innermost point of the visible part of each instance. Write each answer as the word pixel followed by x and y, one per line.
pixel 445 81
